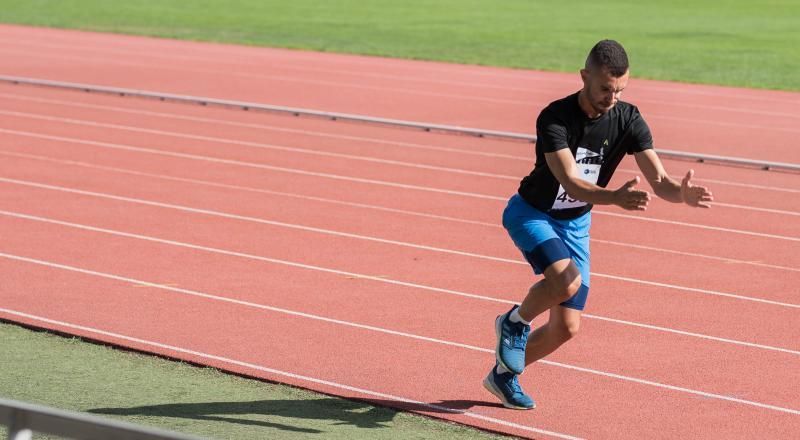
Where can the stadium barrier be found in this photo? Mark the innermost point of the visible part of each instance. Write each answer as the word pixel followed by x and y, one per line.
pixel 334 116
pixel 23 419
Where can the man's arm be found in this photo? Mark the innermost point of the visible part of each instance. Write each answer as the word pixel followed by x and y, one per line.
pixel 668 188
pixel 562 165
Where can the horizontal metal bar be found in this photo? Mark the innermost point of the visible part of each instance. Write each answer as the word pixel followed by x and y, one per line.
pixel 25 416
pixel 269 108
pixel 698 157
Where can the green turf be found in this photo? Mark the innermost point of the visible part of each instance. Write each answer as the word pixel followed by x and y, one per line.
pixel 732 42
pixel 71 374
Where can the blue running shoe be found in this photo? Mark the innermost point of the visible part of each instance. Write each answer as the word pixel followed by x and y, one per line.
pixel 506 387
pixel 512 337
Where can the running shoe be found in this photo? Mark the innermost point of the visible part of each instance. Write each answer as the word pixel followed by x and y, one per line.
pixel 506 387
pixel 512 337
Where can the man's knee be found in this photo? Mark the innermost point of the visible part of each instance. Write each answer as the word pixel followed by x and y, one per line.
pixel 565 284
pixel 567 330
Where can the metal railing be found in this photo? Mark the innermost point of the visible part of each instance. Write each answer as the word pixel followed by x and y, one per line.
pixel 452 129
pixel 23 419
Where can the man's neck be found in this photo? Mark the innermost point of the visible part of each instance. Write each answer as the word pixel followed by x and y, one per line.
pixel 586 107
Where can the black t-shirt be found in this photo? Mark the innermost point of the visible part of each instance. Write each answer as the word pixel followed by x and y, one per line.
pixel 597 144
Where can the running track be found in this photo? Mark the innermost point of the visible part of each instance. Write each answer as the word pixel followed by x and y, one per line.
pixel 367 261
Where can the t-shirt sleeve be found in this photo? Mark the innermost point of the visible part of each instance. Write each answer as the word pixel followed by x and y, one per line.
pixel 640 137
pixel 551 133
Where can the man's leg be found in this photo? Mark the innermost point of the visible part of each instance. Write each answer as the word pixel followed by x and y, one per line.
pixel 559 284
pixel 562 326
pixel 562 280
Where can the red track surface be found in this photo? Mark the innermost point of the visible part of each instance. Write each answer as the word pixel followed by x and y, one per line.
pixel 367 261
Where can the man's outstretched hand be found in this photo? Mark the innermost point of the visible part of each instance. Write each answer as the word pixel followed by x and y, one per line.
pixel 693 195
pixel 630 198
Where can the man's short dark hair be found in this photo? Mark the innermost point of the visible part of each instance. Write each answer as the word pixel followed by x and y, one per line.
pixel 608 54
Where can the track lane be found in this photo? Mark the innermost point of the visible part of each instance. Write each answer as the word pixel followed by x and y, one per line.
pixel 461 109
pixel 386 143
pixel 154 299
pixel 419 266
pixel 380 224
pixel 474 241
pixel 376 169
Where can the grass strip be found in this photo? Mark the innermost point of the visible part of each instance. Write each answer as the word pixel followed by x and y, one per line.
pixel 68 373
pixel 730 42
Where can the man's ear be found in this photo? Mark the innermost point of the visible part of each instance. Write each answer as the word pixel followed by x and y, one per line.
pixel 584 75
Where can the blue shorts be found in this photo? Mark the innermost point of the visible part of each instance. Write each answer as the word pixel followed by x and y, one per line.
pixel 544 240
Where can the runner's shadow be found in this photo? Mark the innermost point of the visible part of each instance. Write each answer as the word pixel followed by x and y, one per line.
pixel 465 405
pixel 441 407
pixel 268 413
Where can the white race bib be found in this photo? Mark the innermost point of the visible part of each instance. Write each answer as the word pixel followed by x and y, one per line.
pixel 588 163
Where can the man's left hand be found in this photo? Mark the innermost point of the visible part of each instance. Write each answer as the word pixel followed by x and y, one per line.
pixel 697 196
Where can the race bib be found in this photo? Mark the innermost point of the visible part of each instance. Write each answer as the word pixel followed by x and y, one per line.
pixel 588 163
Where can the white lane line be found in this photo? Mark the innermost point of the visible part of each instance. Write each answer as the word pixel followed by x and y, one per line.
pixel 333 136
pixel 392 332
pixel 266 127
pixel 384 142
pixel 727 182
pixel 309 379
pixel 380 279
pixel 371 140
pixel 694 225
pixel 696 255
pixel 249 164
pixel 368 206
pixel 526 159
pixel 255 190
pixel 367 238
pixel 754 208
pixel 361 180
pixel 259 145
pixel 318 153
pixel 692 334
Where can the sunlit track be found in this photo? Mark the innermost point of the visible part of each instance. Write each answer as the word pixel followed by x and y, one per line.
pixel 390 78
pixel 257 145
pixel 290 79
pixel 239 225
pixel 265 127
pixel 371 207
pixel 381 240
pixel 319 152
pixel 214 297
pixel 377 182
pixel 378 279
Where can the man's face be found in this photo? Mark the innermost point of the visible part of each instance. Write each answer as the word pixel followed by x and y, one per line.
pixel 602 89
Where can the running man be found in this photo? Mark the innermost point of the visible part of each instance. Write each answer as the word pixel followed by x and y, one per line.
pixel 580 141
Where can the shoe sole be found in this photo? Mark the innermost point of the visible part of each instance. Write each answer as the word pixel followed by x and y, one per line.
pixel 492 389
pixel 498 331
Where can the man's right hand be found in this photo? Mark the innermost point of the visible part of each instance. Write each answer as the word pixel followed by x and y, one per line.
pixel 630 198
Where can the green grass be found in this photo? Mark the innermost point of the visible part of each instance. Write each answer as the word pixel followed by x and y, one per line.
pixel 731 42
pixel 71 374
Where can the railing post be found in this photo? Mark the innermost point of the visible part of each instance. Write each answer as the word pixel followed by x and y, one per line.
pixel 18 430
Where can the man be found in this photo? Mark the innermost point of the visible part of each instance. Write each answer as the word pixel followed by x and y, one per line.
pixel 580 141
